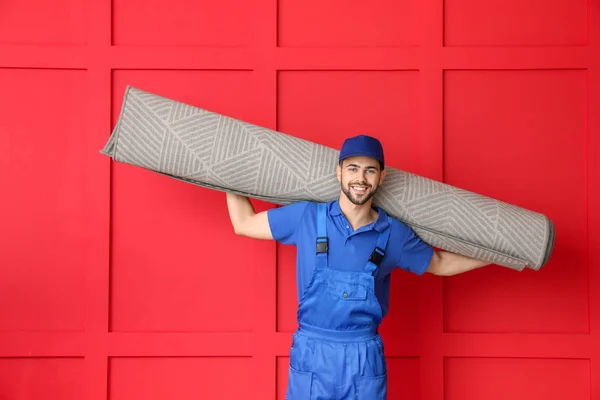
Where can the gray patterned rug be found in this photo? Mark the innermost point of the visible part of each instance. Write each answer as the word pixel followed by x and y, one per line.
pixel 215 151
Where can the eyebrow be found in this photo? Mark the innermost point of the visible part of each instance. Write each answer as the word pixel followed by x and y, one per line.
pixel 358 166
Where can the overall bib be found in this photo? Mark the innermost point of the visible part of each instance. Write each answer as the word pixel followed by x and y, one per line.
pixel 337 352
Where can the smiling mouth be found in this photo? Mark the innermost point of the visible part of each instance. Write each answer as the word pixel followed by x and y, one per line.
pixel 358 189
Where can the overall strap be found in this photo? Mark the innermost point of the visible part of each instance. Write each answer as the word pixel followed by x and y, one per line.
pixel 379 252
pixel 322 242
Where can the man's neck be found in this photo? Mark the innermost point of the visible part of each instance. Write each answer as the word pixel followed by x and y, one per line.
pixel 356 215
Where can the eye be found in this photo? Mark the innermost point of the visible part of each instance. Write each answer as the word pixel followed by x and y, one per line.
pixel 353 169
pixel 371 171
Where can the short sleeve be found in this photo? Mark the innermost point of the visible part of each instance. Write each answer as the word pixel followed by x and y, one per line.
pixel 415 255
pixel 284 221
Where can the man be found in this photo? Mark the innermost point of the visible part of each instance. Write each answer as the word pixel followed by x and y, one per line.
pixel 346 250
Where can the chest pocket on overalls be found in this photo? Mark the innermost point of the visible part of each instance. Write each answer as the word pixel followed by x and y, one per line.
pixel 347 291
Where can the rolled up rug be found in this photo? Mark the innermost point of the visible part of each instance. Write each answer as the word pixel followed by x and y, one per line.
pixel 226 154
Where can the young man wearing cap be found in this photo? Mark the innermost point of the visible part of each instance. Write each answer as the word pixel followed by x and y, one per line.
pixel 346 251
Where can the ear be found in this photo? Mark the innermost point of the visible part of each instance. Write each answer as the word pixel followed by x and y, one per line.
pixel 382 176
pixel 338 172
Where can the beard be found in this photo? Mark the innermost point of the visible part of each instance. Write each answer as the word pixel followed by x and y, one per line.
pixel 358 199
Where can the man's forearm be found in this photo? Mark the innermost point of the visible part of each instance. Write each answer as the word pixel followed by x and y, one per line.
pixel 245 220
pixel 446 264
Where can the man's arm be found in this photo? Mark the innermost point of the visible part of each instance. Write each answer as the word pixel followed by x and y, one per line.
pixel 245 221
pixel 445 263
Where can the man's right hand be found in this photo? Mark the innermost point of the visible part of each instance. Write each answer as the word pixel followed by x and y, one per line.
pixel 245 221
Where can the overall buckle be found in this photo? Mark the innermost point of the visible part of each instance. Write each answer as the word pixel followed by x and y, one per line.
pixel 377 255
pixel 322 245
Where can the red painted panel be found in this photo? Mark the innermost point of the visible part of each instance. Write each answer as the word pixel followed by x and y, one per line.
pixel 326 107
pixel 182 23
pixel 338 23
pixel 42 134
pixel 524 133
pixel 403 313
pixel 287 293
pixel 403 377
pixel 39 21
pixel 41 378
pixel 283 364
pixel 169 253
pixel 181 378
pixel 516 379
pixel 515 22
pixel 226 92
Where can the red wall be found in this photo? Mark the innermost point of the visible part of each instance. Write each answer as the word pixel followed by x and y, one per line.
pixel 119 283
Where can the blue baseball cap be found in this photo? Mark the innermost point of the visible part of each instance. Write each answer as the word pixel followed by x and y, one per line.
pixel 362 145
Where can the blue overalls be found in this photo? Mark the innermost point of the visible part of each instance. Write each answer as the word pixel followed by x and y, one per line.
pixel 337 352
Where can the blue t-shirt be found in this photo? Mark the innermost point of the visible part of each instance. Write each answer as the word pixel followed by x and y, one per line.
pixel 296 224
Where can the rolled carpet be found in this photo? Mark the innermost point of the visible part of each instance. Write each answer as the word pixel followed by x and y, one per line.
pixel 219 152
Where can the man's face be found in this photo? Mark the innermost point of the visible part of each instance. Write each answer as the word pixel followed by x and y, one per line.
pixel 359 178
